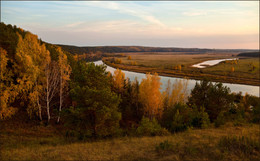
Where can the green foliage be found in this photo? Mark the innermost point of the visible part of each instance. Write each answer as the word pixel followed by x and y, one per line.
pixel 220 120
pixel 96 110
pixel 181 117
pixel 149 127
pixel 256 114
pixel 213 97
pixel 200 118
pixel 237 145
pixel 176 118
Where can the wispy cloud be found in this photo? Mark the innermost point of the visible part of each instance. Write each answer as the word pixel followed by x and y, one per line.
pixel 135 22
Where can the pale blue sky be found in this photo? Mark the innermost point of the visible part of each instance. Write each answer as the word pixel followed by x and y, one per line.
pixel 201 24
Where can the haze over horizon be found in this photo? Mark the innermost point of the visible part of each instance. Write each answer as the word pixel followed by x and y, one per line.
pixel 197 24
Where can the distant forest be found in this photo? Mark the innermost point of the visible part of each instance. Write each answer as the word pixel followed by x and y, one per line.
pixel 120 49
pixel 249 54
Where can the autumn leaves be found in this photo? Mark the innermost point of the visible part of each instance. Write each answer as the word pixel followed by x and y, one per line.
pixel 149 95
pixel 34 76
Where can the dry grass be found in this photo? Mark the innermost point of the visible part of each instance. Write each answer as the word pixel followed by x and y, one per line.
pixel 194 144
pixel 170 60
pixel 167 65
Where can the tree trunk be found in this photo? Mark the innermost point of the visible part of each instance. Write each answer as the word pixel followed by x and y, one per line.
pixel 48 111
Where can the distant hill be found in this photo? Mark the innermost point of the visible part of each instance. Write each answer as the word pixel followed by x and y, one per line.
pixel 249 54
pixel 120 49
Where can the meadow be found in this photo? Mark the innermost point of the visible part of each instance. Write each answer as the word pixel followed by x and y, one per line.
pixel 244 71
pixel 29 141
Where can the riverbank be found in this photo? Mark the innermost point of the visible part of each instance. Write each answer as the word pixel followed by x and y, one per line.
pixel 195 74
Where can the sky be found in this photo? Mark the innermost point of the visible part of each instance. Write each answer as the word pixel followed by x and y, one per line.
pixel 199 24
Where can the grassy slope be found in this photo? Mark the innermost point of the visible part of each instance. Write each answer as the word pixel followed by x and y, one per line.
pixel 164 65
pixel 29 141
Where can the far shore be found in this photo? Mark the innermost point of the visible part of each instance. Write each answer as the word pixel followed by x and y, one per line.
pixel 201 76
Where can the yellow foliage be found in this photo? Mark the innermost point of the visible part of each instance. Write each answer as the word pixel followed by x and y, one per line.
pixel 232 69
pixel 129 58
pixel 175 93
pixel 150 96
pixel 118 61
pixel 118 79
pixel 179 67
pixel 7 89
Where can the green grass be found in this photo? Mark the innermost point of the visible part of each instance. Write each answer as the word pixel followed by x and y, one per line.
pixel 46 143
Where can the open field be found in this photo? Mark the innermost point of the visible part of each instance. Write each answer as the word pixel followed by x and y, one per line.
pixel 245 71
pixel 35 142
pixel 170 60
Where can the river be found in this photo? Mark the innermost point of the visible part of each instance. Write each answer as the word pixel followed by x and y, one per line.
pixel 252 90
pixel 210 63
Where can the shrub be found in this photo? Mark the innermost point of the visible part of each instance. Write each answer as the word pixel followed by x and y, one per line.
pixel 165 146
pixel 149 127
pixel 200 118
pixel 177 118
pixel 220 120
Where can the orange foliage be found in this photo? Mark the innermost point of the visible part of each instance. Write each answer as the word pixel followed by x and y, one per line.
pixel 150 95
pixel 118 79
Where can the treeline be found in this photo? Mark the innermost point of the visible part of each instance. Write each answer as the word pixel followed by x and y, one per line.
pixel 52 86
pixel 120 49
pixel 249 54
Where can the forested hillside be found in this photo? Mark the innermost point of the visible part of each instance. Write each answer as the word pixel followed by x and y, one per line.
pixel 120 49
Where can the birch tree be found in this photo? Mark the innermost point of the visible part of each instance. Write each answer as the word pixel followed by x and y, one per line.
pixel 30 61
pixel 64 75
pixel 51 86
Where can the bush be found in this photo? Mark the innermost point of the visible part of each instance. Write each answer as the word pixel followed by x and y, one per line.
pixel 220 120
pixel 180 117
pixel 200 119
pixel 149 127
pixel 164 147
pixel 177 118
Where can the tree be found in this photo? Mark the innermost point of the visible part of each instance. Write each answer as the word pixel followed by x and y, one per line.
pixel 51 86
pixel 64 76
pixel 118 80
pixel 215 98
pixel 175 93
pixel 30 62
pixel 129 58
pixel 150 96
pixel 96 104
pixel 232 69
pixel 7 94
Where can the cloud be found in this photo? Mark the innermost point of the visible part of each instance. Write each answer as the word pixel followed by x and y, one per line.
pixel 130 9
